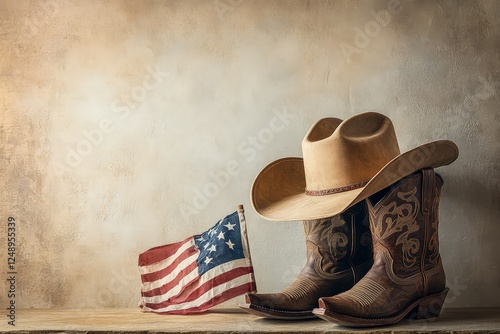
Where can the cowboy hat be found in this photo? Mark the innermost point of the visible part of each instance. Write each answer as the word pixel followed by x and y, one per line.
pixel 343 163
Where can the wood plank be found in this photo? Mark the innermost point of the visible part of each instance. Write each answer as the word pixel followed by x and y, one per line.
pixel 452 320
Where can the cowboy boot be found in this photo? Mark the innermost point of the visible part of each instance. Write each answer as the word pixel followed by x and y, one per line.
pixel 339 253
pixel 407 278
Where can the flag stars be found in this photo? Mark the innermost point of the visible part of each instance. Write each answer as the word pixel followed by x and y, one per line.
pixel 230 244
pixel 212 242
pixel 229 226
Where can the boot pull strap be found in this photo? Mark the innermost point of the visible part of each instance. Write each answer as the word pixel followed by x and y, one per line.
pixel 428 184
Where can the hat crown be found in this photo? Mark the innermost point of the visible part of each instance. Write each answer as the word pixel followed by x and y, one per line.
pixel 339 154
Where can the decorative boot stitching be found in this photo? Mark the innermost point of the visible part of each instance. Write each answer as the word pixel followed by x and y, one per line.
pixel 427 200
pixel 401 219
pixel 365 292
pixel 337 243
pixel 328 233
pixel 434 239
pixel 389 268
pixel 422 259
pixel 299 288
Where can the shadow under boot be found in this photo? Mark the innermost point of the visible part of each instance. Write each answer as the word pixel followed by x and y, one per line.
pixel 339 253
pixel 407 279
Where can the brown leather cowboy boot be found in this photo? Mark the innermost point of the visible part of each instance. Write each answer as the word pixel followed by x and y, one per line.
pixel 407 278
pixel 339 253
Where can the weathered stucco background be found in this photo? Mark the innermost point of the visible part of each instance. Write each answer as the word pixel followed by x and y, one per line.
pixel 117 116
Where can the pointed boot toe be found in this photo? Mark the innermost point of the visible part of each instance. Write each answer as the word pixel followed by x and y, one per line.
pixel 264 301
pixel 274 306
pixel 253 304
pixel 329 303
pixel 330 309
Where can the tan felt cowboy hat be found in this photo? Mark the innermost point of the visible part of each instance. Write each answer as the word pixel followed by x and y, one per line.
pixel 344 162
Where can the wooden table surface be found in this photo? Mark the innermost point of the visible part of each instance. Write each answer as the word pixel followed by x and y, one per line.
pixel 452 320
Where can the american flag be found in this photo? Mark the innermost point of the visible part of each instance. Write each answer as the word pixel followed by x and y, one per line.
pixel 200 272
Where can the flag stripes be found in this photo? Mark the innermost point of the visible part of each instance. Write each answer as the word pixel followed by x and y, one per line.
pixel 236 284
pixel 199 272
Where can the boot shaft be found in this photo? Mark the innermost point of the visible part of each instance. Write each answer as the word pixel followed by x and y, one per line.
pixel 339 253
pixel 339 243
pixel 407 274
pixel 404 221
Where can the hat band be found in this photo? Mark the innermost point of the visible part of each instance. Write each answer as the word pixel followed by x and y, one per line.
pixel 336 190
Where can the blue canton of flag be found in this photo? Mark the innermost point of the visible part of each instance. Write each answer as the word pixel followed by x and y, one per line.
pixel 220 244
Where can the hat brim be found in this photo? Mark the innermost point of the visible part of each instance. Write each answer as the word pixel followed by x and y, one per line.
pixel 278 192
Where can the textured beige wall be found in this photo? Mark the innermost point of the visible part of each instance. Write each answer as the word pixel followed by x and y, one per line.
pixel 115 115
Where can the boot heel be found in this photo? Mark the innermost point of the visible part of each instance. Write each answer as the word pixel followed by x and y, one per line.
pixel 429 307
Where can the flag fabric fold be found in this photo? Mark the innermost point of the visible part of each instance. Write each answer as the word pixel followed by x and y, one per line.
pixel 199 272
